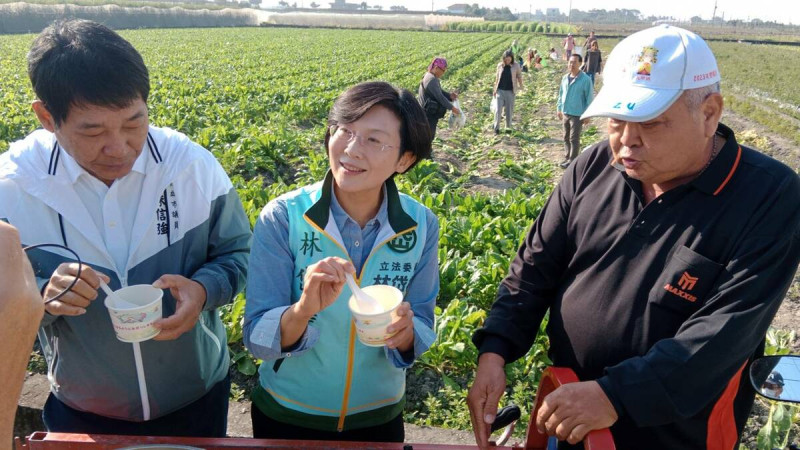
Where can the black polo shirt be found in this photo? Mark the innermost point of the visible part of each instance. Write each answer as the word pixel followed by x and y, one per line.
pixel 663 304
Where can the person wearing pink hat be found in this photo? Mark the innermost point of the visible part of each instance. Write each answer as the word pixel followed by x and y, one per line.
pixel 569 45
pixel 661 258
pixel 433 99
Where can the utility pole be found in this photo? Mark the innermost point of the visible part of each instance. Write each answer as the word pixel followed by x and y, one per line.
pixel 569 13
pixel 714 14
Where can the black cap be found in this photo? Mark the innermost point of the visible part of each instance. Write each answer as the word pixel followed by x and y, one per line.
pixel 775 378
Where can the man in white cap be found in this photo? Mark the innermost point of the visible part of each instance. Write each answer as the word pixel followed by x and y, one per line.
pixel 661 256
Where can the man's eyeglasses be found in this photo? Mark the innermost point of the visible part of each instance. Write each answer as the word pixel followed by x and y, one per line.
pixel 370 143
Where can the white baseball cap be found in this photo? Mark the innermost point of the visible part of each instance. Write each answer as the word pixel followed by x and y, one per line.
pixel 648 70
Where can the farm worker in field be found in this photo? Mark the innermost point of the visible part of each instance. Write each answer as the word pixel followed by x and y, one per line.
pixel 587 44
pixel 533 60
pixel 594 61
pixel 574 95
pixel 434 100
pixel 662 257
pixel 21 309
pixel 317 380
pixel 507 82
pixel 516 49
pixel 569 45
pixel 553 54
pixel 140 205
pixel 529 57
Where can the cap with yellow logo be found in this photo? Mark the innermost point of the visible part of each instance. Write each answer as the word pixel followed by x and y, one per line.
pixel 647 71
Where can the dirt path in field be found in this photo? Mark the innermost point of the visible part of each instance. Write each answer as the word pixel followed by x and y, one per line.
pixel 777 146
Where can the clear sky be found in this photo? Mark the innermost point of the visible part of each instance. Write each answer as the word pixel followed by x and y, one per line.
pixel 784 11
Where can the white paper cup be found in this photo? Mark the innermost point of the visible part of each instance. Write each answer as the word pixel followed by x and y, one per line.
pixel 133 321
pixel 371 328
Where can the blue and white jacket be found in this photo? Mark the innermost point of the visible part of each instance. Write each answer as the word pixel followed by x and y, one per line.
pixel 189 222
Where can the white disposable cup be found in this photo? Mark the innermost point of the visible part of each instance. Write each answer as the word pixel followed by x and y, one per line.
pixel 371 328
pixel 133 322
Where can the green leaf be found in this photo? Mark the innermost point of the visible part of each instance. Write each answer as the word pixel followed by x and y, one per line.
pixel 246 366
pixel 449 382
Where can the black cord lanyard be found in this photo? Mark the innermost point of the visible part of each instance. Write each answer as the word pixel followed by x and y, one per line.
pixel 77 276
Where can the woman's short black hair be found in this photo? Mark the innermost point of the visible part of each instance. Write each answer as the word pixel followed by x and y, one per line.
pixel 508 54
pixel 415 133
pixel 80 62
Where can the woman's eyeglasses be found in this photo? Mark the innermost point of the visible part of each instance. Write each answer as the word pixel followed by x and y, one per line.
pixel 370 143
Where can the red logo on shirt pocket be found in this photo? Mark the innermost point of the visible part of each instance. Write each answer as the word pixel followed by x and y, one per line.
pixel 686 283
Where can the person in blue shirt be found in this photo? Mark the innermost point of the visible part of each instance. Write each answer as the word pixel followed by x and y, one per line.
pixel 574 96
pixel 318 381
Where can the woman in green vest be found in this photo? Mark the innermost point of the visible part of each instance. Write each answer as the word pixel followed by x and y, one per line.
pixel 318 381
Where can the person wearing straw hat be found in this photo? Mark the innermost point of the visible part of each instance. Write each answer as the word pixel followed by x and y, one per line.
pixel 139 204
pixel 433 99
pixel 661 257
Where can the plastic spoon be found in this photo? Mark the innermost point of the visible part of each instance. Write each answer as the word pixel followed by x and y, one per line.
pixel 137 350
pixel 366 304
pixel 118 302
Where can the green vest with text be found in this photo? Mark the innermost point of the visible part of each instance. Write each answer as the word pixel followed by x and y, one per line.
pixel 340 383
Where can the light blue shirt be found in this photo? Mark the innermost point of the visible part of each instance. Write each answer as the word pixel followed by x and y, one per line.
pixel 271 274
pixel 575 97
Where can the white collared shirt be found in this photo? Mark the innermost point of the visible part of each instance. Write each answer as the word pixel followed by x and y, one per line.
pixel 112 209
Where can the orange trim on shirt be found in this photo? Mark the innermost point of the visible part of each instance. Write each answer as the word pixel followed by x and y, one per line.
pixel 722 433
pixel 286 399
pixel 349 378
pixel 372 405
pixel 730 174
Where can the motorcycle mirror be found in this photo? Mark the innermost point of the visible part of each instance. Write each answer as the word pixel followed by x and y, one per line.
pixel 777 377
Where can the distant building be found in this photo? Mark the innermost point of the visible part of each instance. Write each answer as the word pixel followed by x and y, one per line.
pixel 553 12
pixel 342 4
pixel 457 8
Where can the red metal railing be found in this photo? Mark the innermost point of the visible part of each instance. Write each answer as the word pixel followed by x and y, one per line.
pixel 552 378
